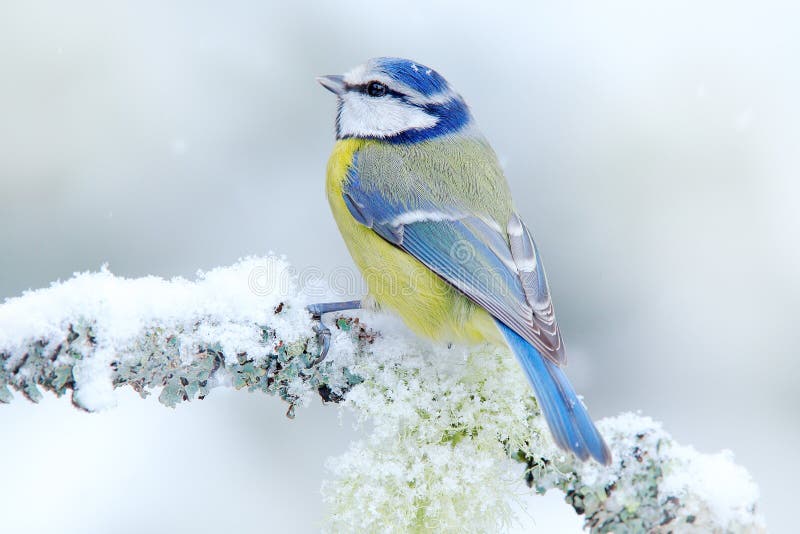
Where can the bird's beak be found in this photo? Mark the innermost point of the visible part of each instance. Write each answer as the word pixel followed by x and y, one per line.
pixel 333 83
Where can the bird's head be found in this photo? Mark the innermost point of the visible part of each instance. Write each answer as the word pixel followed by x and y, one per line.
pixel 395 100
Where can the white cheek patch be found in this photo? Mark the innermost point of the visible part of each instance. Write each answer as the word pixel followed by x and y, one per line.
pixel 366 116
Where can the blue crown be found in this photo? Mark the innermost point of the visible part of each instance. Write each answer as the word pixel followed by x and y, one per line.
pixel 418 77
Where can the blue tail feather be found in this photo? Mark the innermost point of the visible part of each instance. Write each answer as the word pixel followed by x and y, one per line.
pixel 572 428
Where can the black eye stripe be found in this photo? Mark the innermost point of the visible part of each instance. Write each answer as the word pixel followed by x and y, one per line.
pixel 362 88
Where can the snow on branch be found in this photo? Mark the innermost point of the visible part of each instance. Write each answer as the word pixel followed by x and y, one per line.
pixel 452 430
pixel 244 326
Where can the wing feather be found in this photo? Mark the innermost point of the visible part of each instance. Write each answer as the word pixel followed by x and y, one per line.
pixel 494 263
pixel 534 283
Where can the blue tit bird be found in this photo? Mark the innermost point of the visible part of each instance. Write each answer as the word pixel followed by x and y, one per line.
pixel 426 213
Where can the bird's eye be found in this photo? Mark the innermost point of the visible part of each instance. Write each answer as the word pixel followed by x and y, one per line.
pixel 376 89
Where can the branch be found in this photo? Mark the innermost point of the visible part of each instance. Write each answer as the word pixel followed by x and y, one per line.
pixel 452 429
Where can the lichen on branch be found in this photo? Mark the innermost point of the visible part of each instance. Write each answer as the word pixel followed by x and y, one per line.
pixel 453 430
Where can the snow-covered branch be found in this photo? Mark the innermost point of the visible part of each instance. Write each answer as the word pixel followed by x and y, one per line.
pixel 452 430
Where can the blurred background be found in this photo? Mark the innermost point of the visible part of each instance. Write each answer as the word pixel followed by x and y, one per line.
pixel 654 149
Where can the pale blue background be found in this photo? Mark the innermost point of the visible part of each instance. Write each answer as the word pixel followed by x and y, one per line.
pixel 652 147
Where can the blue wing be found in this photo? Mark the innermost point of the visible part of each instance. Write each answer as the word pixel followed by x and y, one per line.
pixel 497 265
pixel 494 263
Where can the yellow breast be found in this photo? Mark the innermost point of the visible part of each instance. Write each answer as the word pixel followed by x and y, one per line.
pixel 398 281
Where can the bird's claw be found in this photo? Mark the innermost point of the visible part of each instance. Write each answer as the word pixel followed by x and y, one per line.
pixel 323 339
pixel 322 331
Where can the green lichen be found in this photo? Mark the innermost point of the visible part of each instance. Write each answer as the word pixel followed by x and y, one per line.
pixel 438 457
pixel 159 360
pixel 5 394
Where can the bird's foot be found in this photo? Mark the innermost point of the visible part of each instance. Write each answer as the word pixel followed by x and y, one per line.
pixel 322 331
pixel 323 338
